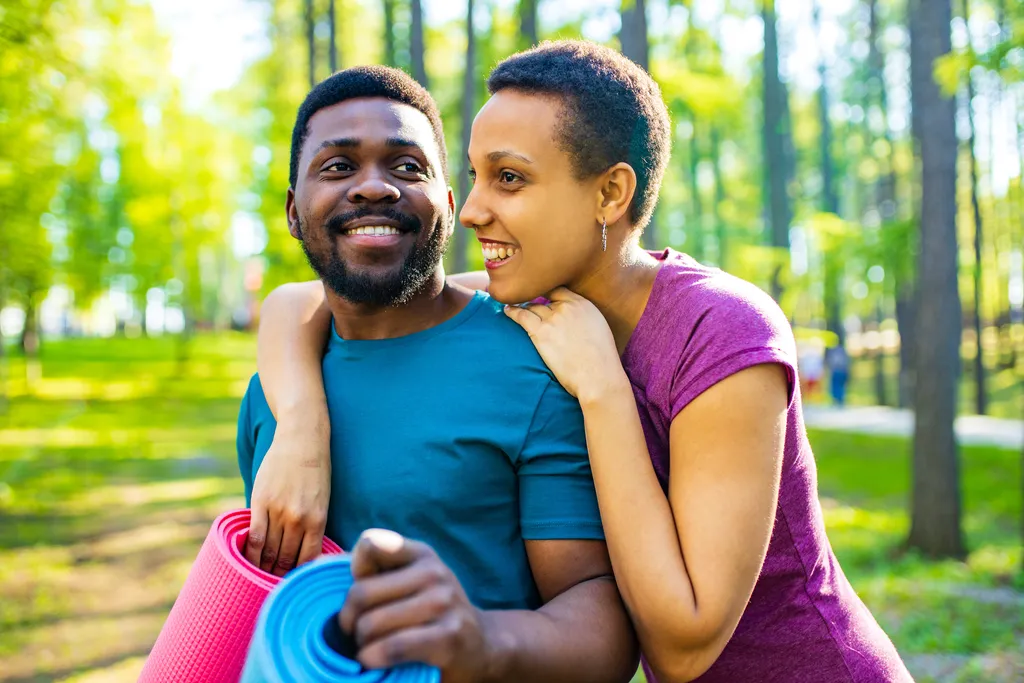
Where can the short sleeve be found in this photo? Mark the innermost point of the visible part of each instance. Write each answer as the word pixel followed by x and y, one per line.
pixel 740 328
pixel 557 499
pixel 245 441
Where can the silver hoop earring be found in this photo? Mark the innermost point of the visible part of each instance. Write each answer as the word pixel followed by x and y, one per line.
pixel 604 234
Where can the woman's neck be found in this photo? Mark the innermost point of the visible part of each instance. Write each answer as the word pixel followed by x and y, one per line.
pixel 620 287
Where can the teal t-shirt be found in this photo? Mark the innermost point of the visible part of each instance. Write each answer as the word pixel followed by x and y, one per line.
pixel 458 436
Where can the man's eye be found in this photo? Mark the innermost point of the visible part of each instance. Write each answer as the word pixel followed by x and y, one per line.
pixel 339 166
pixel 410 167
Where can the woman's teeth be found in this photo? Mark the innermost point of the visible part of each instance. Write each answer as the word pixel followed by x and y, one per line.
pixel 374 230
pixel 499 253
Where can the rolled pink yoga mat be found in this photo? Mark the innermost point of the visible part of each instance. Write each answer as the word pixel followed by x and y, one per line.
pixel 206 636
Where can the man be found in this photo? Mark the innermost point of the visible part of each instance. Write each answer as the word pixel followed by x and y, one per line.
pixel 446 426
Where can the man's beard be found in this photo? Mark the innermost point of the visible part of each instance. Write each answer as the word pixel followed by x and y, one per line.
pixel 390 289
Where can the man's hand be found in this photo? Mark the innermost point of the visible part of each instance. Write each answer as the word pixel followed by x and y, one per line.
pixel 290 496
pixel 407 606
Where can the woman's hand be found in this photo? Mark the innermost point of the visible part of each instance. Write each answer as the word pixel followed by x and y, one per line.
pixel 575 341
pixel 290 495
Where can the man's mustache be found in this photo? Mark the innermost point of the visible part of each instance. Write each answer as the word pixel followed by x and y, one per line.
pixel 406 223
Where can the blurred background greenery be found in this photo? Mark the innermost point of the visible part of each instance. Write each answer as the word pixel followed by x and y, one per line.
pixel 143 164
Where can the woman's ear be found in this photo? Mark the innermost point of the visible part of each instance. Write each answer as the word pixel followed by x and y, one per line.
pixel 617 187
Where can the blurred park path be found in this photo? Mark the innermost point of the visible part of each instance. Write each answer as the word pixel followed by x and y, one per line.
pixel 974 430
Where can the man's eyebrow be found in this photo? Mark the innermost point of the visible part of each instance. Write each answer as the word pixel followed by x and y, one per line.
pixel 336 142
pixel 500 154
pixel 403 142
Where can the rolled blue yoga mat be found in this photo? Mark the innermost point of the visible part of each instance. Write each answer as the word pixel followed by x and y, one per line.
pixel 297 625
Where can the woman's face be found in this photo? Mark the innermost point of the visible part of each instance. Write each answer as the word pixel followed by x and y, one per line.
pixel 536 223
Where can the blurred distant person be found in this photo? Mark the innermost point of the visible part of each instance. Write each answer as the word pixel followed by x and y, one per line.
pixel 838 361
pixel 811 366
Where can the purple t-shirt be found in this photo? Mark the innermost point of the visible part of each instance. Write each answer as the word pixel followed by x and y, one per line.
pixel 804 623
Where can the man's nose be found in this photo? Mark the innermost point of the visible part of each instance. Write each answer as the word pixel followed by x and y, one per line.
pixel 373 188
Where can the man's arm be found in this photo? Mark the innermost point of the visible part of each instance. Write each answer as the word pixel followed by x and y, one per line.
pixel 581 633
pixel 407 606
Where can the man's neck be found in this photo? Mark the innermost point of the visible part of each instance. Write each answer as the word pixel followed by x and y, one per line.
pixel 434 303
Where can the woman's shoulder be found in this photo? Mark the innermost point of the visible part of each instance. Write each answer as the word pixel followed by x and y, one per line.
pixel 701 325
pixel 709 300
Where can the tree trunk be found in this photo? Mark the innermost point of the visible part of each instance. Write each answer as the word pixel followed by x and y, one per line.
pixel 389 33
pixel 936 510
pixel 881 394
pixel 29 341
pixel 417 47
pixel 311 42
pixel 3 364
pixel 697 224
pixel 980 392
pixel 829 198
pixel 331 17
pixel 528 23
pixel 459 262
pixel 4 256
pixel 886 195
pixel 721 231
pixel 633 33
pixel 775 163
pixel 635 44
pixel 906 324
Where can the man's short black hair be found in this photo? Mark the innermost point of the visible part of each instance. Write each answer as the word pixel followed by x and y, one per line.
pixel 365 81
pixel 612 111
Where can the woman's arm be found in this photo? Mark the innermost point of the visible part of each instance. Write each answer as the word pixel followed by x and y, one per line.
pixel 293 486
pixel 687 565
pixel 476 279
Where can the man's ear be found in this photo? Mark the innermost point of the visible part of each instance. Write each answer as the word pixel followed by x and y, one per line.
pixel 293 215
pixel 451 209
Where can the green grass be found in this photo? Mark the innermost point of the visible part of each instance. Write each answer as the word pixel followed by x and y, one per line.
pixel 114 462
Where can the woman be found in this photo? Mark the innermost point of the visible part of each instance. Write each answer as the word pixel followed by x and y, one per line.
pixel 686 377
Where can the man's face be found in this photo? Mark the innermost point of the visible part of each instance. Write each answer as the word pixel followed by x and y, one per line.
pixel 370 205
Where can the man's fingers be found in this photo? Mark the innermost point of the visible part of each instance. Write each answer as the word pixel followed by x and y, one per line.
pixel 426 644
pixel 272 548
pixel 418 610
pixel 312 547
pixel 380 550
pixel 288 556
pixel 257 535
pixel 373 592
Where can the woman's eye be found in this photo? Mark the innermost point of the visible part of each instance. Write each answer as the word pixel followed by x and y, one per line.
pixel 508 177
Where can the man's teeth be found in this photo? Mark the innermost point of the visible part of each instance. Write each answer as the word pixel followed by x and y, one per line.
pixel 374 230
pixel 499 253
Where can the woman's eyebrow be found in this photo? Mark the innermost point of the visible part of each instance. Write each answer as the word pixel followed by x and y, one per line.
pixel 500 154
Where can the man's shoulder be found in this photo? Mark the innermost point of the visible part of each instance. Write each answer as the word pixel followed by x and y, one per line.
pixel 502 340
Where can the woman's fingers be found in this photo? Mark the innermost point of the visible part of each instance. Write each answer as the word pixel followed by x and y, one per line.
pixel 526 318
